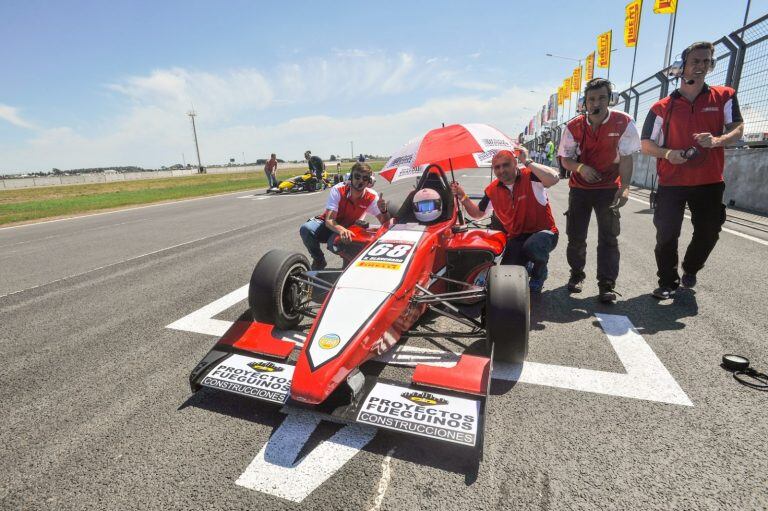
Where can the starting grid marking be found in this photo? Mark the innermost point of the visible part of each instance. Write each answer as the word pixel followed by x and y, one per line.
pixel 276 471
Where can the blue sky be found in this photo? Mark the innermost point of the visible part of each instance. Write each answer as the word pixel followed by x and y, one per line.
pixel 88 84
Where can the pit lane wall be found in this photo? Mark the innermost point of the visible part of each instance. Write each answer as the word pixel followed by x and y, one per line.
pixel 746 177
pixel 105 177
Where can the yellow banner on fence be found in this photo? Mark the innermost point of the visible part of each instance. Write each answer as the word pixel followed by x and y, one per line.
pixel 604 49
pixel 576 80
pixel 589 67
pixel 632 22
pixel 665 6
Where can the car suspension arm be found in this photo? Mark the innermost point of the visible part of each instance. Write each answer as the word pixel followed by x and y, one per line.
pixel 452 308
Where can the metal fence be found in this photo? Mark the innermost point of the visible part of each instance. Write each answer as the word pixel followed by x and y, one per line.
pixel 742 63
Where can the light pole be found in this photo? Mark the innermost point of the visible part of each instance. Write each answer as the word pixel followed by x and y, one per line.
pixel 192 115
pixel 352 148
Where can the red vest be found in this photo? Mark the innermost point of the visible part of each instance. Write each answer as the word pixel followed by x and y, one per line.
pixel 523 210
pixel 680 120
pixel 349 212
pixel 599 147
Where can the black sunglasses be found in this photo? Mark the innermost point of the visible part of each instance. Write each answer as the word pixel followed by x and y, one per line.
pixel 364 177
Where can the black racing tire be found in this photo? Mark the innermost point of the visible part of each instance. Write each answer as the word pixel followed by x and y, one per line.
pixel 271 295
pixel 508 313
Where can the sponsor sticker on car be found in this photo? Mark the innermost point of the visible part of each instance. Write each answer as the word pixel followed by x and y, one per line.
pixel 251 377
pixel 389 254
pixel 447 418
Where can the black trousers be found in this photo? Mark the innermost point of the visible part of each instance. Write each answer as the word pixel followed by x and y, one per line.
pixel 581 203
pixel 707 217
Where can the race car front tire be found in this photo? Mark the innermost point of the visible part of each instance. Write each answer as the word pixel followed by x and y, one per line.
pixel 272 296
pixel 508 313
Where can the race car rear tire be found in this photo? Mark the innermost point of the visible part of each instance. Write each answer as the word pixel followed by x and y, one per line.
pixel 271 294
pixel 508 313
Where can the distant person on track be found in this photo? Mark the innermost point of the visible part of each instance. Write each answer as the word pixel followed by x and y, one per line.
pixel 316 167
pixel 686 133
pixel 347 203
pixel 597 148
pixel 270 169
pixel 520 201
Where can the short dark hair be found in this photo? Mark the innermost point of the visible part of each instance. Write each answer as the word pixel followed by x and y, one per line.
pixel 701 45
pixel 362 167
pixel 598 83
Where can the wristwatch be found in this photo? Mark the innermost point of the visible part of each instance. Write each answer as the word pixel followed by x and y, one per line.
pixel 528 162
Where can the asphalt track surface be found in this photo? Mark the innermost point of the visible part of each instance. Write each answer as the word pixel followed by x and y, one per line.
pixel 97 413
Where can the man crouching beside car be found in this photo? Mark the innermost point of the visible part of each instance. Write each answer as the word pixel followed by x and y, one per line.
pixel 347 203
pixel 520 201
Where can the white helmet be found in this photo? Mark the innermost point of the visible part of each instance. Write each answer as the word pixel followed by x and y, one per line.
pixel 427 205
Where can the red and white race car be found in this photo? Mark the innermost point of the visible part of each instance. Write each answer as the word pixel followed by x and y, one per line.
pixel 393 275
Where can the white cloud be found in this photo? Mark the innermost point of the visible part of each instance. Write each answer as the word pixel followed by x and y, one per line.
pixel 154 130
pixel 478 86
pixel 11 114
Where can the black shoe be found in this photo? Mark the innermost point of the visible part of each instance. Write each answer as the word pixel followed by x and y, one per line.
pixel 607 294
pixel 575 283
pixel 688 280
pixel 318 264
pixel 663 293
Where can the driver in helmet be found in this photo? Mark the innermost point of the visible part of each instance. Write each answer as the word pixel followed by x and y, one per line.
pixel 427 205
pixel 520 200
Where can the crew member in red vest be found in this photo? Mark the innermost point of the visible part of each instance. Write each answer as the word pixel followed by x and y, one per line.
pixel 686 132
pixel 520 201
pixel 347 203
pixel 597 148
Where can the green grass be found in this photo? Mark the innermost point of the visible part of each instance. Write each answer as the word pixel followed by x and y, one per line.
pixel 54 201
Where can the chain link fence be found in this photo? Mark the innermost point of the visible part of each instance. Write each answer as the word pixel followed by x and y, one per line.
pixel 742 63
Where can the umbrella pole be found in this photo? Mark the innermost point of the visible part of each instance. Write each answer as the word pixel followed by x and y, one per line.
pixel 456 199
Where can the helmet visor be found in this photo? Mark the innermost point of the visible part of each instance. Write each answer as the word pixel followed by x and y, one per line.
pixel 428 205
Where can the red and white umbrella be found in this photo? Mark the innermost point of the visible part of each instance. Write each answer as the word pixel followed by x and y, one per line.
pixel 458 146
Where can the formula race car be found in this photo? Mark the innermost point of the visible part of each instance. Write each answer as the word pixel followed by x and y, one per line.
pixel 306 182
pixel 392 275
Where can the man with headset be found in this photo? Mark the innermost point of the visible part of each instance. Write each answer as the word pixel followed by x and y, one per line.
pixel 686 132
pixel 597 148
pixel 347 203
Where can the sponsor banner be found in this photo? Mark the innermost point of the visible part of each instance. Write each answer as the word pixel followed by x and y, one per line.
pixel 604 49
pixel 632 22
pixel 439 416
pixel 589 67
pixel 252 377
pixel 552 106
pixel 665 6
pixel 576 80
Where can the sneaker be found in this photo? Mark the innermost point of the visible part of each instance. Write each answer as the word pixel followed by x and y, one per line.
pixel 663 293
pixel 575 283
pixel 318 264
pixel 688 280
pixel 607 294
pixel 536 285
